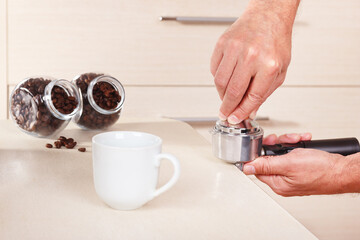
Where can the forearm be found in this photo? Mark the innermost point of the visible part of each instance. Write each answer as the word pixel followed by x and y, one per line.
pixel 350 174
pixel 282 10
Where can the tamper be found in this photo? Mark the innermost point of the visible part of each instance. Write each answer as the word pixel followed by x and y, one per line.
pixel 242 143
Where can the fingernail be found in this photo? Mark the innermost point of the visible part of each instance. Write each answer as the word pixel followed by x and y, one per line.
pixel 252 115
pixel 292 135
pixel 249 170
pixel 222 116
pixel 233 120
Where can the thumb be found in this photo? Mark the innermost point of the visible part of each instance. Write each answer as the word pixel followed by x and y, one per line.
pixel 265 166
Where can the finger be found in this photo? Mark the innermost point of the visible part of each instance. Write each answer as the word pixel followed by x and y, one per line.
pixel 216 58
pixel 235 90
pixel 223 74
pixel 270 140
pixel 294 137
pixel 267 166
pixel 253 114
pixel 254 97
pixel 306 136
pixel 278 81
pixel 289 138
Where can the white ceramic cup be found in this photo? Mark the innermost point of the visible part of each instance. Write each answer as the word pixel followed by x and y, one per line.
pixel 126 168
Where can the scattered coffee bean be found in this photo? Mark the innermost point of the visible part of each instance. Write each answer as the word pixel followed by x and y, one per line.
pixel 104 95
pixel 57 144
pixel 62 138
pixel 30 112
pixel 70 145
pixel 66 142
pixel 48 145
pixel 82 149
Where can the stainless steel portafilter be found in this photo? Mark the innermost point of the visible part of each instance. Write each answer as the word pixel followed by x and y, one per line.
pixel 242 143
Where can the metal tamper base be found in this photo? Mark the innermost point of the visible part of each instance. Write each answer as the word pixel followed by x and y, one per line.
pixel 237 144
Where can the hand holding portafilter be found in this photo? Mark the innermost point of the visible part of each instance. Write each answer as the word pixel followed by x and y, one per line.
pixel 242 143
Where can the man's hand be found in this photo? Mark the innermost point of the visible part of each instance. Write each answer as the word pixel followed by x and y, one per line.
pixel 251 58
pixel 304 171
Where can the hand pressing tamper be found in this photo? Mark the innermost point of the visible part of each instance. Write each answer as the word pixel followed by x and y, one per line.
pixel 242 143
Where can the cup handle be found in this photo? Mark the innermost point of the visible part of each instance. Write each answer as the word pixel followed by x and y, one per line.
pixel 174 178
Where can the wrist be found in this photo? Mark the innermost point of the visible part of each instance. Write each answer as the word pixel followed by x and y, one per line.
pixel 349 174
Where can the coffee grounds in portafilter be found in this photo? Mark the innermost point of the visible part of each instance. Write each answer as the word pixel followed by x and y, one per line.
pixel 105 96
pixel 29 110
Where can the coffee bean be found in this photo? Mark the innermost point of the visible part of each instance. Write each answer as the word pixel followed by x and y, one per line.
pixel 48 145
pixel 104 95
pixel 62 101
pixel 62 138
pixel 82 149
pixel 57 144
pixel 70 145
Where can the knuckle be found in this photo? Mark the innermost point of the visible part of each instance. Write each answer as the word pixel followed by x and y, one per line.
pixel 212 69
pixel 220 82
pixel 240 111
pixel 252 53
pixel 221 41
pixel 265 168
pixel 255 98
pixel 233 92
pixel 234 44
pixel 273 67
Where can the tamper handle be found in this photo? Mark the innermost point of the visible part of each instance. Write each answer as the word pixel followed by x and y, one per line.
pixel 343 146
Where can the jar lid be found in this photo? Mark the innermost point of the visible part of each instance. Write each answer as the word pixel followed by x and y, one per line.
pixel 246 127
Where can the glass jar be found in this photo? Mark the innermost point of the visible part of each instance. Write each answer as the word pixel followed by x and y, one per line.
pixel 103 97
pixel 43 106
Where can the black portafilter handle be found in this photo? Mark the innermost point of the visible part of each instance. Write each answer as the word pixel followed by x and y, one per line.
pixel 343 146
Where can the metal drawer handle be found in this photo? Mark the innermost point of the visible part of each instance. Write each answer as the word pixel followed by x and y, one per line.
pixel 199 19
pixel 210 20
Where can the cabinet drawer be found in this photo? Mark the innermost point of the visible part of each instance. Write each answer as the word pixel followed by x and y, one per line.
pixel 326 112
pixel 126 39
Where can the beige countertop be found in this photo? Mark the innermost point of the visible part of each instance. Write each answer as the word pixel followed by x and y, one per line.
pixel 49 193
pixel 329 217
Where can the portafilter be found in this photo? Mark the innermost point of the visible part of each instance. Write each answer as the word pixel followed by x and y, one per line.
pixel 242 143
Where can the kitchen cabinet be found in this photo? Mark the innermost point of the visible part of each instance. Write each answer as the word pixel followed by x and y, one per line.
pixel 126 39
pixel 3 60
pixel 165 65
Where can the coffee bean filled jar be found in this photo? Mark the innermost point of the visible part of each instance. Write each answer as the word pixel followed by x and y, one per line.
pixel 42 107
pixel 103 98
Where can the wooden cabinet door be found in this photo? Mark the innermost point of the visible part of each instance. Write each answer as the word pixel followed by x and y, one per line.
pixel 126 39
